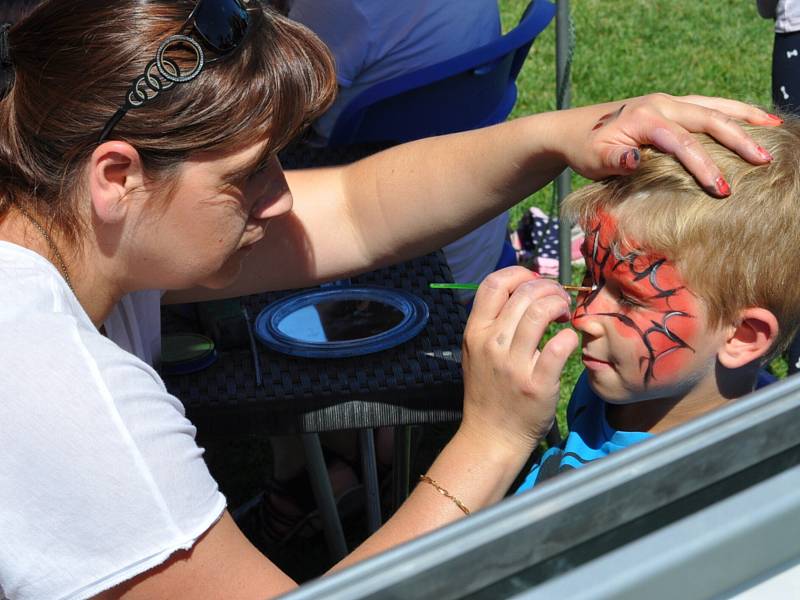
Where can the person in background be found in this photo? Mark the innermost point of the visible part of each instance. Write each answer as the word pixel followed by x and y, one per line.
pixel 785 52
pixel 376 40
pixel 785 85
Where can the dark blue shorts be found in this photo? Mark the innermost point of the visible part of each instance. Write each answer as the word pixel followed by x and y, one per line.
pixel 786 72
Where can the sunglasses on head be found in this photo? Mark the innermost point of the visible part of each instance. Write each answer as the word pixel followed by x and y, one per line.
pixel 219 25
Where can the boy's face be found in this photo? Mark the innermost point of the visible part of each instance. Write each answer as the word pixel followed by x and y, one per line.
pixel 645 334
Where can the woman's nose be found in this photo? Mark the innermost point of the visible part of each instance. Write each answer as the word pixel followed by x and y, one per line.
pixel 271 206
pixel 274 197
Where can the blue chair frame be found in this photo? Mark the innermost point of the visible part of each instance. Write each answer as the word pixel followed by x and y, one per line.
pixel 471 90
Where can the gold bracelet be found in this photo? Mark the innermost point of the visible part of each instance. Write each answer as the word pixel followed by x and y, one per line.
pixel 444 493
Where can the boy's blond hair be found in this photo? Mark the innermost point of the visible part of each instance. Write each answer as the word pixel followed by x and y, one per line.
pixel 733 253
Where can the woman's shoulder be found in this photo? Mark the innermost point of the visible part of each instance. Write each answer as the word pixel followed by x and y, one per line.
pixel 44 329
pixel 102 459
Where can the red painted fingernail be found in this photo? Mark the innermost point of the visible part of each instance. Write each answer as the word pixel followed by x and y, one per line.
pixel 775 118
pixel 629 159
pixel 763 153
pixel 722 186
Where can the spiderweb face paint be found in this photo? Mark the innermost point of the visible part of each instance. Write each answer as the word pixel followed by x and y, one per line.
pixel 640 323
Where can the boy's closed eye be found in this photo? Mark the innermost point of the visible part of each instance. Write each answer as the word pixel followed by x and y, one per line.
pixel 628 302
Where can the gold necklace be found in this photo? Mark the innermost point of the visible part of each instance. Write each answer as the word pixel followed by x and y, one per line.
pixel 62 266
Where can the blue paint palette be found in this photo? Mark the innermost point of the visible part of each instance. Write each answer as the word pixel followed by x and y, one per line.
pixel 335 322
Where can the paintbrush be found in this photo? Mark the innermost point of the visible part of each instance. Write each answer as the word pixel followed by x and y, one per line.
pixel 474 286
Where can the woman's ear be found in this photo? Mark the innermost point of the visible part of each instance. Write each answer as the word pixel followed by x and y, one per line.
pixel 750 339
pixel 115 170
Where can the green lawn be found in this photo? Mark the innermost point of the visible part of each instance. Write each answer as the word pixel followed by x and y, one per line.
pixel 624 49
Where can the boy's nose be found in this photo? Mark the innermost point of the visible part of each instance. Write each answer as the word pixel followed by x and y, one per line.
pixel 587 323
pixel 585 318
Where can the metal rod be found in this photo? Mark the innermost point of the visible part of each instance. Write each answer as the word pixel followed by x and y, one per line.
pixel 402 464
pixel 323 494
pixel 563 182
pixel 369 470
pixel 253 347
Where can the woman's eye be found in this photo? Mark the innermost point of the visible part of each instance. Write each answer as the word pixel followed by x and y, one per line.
pixel 257 171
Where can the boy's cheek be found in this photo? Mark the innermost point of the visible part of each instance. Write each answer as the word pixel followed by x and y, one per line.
pixel 670 342
pixel 615 388
pixel 671 368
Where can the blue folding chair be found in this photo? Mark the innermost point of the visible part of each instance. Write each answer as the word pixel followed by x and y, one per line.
pixel 468 91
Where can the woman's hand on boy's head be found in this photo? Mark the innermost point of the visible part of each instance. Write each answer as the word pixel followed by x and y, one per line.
pixel 610 135
pixel 510 386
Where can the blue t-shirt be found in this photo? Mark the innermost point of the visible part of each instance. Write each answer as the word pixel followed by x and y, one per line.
pixel 377 40
pixel 590 436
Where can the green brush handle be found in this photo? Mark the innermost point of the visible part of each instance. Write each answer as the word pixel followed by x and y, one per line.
pixel 474 286
pixel 454 286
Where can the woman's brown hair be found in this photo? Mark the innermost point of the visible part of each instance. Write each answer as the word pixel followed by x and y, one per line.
pixel 73 63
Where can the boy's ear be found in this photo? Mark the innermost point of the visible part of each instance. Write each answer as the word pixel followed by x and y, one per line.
pixel 750 339
pixel 115 170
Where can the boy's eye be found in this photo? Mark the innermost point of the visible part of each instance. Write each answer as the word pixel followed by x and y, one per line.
pixel 629 302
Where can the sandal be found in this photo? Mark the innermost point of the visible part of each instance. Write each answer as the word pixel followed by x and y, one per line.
pixel 286 511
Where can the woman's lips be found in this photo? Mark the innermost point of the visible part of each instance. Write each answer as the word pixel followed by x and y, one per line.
pixel 595 364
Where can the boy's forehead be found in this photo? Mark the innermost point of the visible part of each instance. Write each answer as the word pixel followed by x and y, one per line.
pixel 603 236
pixel 605 249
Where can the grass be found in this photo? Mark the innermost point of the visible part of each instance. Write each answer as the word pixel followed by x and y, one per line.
pixel 625 49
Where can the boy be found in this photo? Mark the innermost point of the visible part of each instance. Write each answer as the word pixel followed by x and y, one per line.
pixel 691 295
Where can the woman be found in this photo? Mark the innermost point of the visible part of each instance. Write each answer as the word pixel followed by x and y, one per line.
pixel 111 189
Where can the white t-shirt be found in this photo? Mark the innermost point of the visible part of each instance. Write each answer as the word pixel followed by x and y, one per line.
pixel 375 40
pixel 474 256
pixel 135 325
pixel 787 16
pixel 785 12
pixel 100 474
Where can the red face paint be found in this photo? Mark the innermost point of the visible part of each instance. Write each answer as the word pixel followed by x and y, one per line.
pixel 642 308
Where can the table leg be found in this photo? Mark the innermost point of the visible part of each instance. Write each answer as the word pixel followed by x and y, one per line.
pixel 402 464
pixel 323 494
pixel 369 473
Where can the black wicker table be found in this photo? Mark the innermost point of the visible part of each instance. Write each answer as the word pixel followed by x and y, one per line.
pixel 417 382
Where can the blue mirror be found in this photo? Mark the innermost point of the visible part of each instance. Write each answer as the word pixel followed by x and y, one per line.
pixel 341 321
